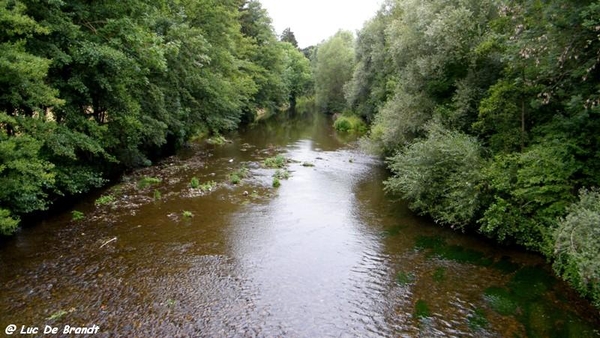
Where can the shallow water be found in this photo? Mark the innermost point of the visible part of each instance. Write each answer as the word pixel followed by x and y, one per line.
pixel 327 254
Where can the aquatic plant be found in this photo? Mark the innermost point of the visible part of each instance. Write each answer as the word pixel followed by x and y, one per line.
pixel 157 195
pixel 275 162
pixel 187 214
pixel 104 200
pixel 77 215
pixel 194 183
pixel 234 178
pixel 216 140
pixel 477 319
pixel 148 181
pixel 57 315
pixel 276 182
pixel 282 174
pixel 404 278
pixel 422 309
pixel 208 186
pixel 439 274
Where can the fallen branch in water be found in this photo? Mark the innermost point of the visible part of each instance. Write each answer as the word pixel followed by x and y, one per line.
pixel 110 240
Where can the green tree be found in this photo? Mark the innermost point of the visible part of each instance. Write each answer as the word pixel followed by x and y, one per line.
pixel 297 74
pixel 288 36
pixel 333 67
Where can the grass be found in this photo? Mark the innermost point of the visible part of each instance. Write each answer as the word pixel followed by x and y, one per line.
pixel 276 182
pixel 275 162
pixel 157 195
pixel 77 215
pixel 145 182
pixel 187 214
pixel 104 200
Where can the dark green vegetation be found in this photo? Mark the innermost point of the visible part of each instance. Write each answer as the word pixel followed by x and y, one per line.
pixel 488 113
pixel 522 298
pixel 91 88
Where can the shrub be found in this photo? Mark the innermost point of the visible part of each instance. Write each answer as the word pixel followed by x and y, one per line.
pixel 439 176
pixel 577 245
pixel 8 224
pixel 350 124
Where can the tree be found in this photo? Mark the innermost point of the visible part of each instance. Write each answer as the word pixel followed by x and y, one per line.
pixel 333 67
pixel 288 36
pixel 297 74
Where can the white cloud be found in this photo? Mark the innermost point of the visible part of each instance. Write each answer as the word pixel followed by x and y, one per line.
pixel 315 20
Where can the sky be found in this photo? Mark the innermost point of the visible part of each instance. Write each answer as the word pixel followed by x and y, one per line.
pixel 313 21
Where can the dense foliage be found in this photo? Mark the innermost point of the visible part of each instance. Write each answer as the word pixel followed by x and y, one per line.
pixel 89 88
pixel 488 112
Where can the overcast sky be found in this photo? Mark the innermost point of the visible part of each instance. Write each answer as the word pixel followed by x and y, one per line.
pixel 315 20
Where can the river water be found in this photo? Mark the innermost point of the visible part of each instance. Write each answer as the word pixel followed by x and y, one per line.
pixel 326 254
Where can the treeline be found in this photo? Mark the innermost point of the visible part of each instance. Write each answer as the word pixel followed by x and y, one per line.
pixel 488 113
pixel 90 88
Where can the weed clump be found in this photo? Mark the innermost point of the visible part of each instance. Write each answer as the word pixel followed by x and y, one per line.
pixel 276 182
pixel 148 181
pixel 77 215
pixel 104 200
pixel 275 162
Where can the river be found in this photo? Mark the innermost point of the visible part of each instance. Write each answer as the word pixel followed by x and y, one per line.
pixel 326 254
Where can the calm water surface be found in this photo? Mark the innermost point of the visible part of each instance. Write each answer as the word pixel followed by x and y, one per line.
pixel 326 254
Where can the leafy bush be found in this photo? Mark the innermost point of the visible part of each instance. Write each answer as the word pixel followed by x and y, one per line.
pixel 439 175
pixel 577 245
pixel 8 224
pixel 530 190
pixel 350 124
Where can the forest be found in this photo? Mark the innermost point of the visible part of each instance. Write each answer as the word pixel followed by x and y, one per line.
pixel 487 112
pixel 488 115
pixel 89 89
